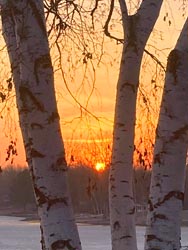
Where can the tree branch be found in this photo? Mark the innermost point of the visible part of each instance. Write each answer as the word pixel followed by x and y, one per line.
pixel 155 59
pixel 93 11
pixel 106 30
pixel 148 13
pixel 124 13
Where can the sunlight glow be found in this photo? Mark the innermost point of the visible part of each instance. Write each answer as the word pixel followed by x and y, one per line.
pixel 100 166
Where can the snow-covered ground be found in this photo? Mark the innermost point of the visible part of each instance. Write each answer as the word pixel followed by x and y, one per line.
pixel 19 235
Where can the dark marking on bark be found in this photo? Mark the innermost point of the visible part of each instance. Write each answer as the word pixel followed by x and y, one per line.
pixel 112 178
pixel 120 125
pixel 60 164
pixel 123 181
pixel 54 201
pixel 157 133
pixel 151 237
pixel 44 61
pixel 32 175
pixel 36 154
pixel 128 196
pixel 125 237
pixel 116 225
pixel 113 187
pixel 59 167
pixel 36 125
pixel 124 130
pixel 158 184
pixel 29 143
pixel 51 235
pixel 53 117
pixel 42 241
pixel 123 85
pixel 157 158
pixel 160 216
pixel 131 85
pixel 178 133
pixel 132 211
pixel 44 199
pixel 41 197
pixel 114 196
pixel 150 204
pixel 26 93
pixel 62 245
pixel 173 63
pixel 176 194
pixel 128 84
pixel 61 161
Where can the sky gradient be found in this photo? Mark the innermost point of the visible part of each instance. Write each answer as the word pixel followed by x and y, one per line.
pixel 96 93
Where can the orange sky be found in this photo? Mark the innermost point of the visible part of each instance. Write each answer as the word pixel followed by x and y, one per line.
pixel 81 131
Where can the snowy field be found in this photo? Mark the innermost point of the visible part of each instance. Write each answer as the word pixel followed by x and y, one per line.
pixel 20 235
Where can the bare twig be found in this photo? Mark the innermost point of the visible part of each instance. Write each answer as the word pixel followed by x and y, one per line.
pixel 155 59
pixel 93 11
pixel 124 13
pixel 106 30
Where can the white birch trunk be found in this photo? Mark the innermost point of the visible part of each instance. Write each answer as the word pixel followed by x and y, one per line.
pixel 137 29
pixel 168 172
pixel 39 122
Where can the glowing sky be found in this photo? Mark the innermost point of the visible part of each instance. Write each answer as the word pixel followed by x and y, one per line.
pixel 102 101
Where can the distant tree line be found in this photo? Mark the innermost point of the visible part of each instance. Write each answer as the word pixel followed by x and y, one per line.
pixel 16 189
pixel 89 189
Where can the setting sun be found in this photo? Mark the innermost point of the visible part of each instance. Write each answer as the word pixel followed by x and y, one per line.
pixel 100 166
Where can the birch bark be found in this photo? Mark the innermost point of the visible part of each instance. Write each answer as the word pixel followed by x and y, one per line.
pixel 137 29
pixel 25 35
pixel 167 184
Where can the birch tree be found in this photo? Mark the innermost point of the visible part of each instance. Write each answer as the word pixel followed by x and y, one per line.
pixel 168 171
pixel 137 29
pixel 25 35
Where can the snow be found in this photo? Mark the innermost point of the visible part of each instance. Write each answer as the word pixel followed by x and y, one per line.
pixel 20 235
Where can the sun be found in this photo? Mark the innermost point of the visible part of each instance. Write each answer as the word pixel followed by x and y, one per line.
pixel 100 166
